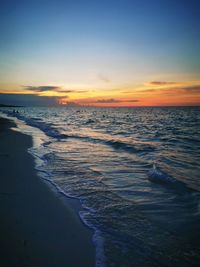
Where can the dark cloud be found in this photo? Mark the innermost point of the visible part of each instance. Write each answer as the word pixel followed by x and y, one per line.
pixel 28 100
pixel 42 88
pixel 112 100
pixel 71 91
pixel 58 89
pixel 64 91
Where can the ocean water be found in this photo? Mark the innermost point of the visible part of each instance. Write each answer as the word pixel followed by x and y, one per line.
pixel 136 172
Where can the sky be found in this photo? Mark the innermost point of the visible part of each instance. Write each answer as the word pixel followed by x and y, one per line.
pixel 100 52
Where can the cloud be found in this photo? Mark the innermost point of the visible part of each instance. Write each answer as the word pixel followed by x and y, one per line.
pixel 192 88
pixel 138 91
pixel 72 104
pixel 149 90
pixel 28 100
pixel 160 83
pixel 112 100
pixel 58 89
pixel 176 89
pixel 40 89
pixel 103 78
pixel 72 91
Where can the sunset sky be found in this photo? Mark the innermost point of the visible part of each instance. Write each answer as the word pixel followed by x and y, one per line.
pixel 100 53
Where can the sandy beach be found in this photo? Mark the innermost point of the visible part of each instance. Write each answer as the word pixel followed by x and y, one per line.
pixel 37 228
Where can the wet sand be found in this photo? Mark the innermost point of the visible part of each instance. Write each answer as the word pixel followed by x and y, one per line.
pixel 37 228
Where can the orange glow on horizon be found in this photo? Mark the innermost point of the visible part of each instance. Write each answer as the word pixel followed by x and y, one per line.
pixel 155 93
pixel 158 94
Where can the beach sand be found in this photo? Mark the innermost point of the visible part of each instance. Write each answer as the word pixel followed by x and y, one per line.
pixel 37 228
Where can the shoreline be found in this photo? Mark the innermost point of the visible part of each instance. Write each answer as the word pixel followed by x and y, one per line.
pixel 37 228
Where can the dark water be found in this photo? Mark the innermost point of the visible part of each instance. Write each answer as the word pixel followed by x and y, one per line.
pixel 105 156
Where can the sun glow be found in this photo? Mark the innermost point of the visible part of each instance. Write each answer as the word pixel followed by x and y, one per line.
pixel 153 93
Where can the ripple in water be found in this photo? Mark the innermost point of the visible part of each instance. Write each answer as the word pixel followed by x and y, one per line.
pixel 142 215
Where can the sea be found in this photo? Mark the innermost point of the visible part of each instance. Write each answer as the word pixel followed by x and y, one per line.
pixel 135 171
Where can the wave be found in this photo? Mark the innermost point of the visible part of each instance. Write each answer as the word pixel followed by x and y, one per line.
pixel 156 175
pixel 47 176
pixel 122 223
pixel 117 144
pixel 47 128
pixel 114 143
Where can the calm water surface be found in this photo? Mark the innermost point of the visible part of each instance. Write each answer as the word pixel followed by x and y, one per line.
pixel 103 157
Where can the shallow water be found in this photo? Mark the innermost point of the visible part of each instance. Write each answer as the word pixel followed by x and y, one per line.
pixel 103 157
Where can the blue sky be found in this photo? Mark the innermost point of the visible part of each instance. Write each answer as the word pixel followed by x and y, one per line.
pixel 98 45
